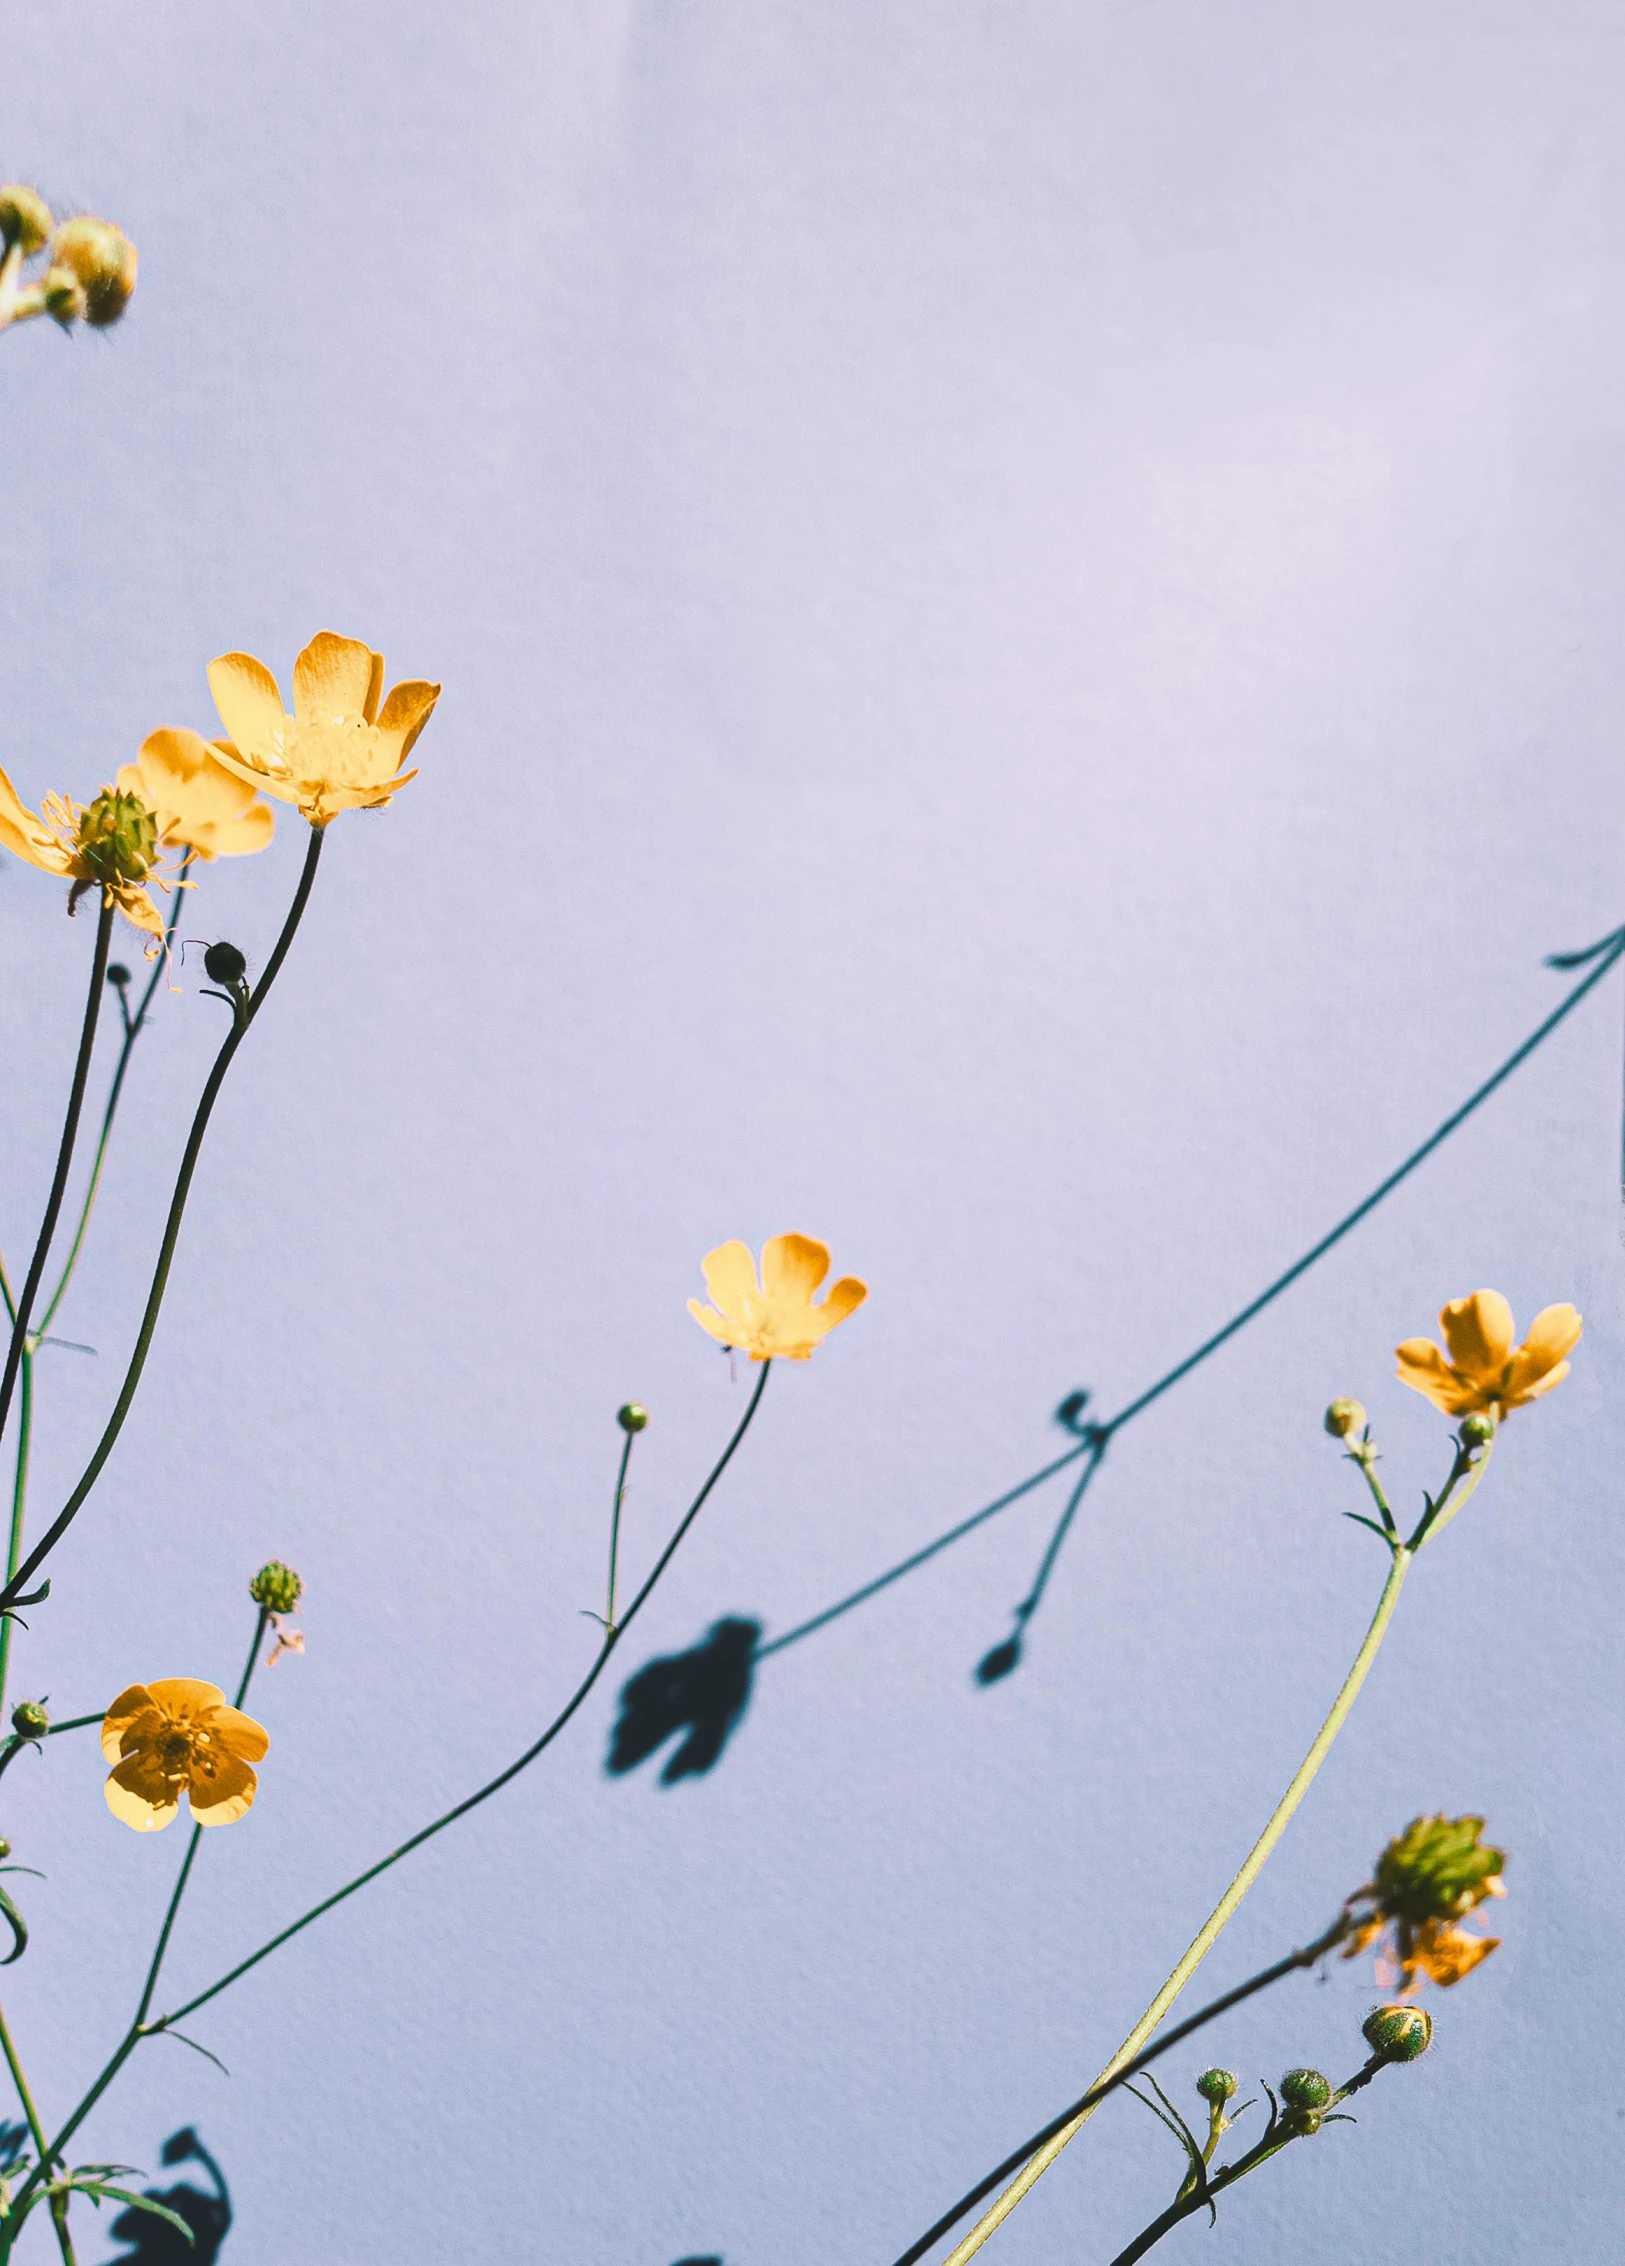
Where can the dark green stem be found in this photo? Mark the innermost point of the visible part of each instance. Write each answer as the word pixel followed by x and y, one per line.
pixel 19 1504
pixel 492 1786
pixel 59 2204
pixel 1293 1963
pixel 172 1228
pixel 64 1159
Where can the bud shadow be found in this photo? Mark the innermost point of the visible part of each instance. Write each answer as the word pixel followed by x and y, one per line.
pixel 697 1697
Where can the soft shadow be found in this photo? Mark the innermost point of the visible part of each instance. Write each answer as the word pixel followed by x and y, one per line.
pixel 701 1693
pixel 153 2242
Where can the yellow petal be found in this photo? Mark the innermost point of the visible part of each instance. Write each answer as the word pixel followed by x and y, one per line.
pixel 1554 1333
pixel 225 1795
pixel 138 908
pixel 846 1297
pixel 1478 1331
pixel 278 783
pixel 718 1328
pixel 1540 1388
pixel 406 711
pixel 245 692
pixel 1424 1368
pixel 188 1698
pixel 27 836
pixel 332 679
pixel 730 1277
pixel 239 1734
pixel 141 1796
pixel 793 1266
pixel 132 1704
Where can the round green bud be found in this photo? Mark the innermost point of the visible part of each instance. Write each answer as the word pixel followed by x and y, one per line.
pixel 276 1588
pixel 1306 2089
pixel 224 964
pixel 118 837
pixel 1477 1430
pixel 25 218
pixel 102 261
pixel 29 1720
pixel 118 975
pixel 1403 2033
pixel 1344 1417
pixel 1217 2086
pixel 633 1417
pixel 5 1847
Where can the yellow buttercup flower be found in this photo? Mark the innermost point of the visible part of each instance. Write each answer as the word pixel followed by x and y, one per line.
pixel 179 1736
pixel 111 845
pixel 339 750
pixel 776 1318
pixel 196 803
pixel 1483 1370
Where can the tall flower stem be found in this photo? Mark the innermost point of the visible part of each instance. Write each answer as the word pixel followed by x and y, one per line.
pixel 1218 1919
pixel 64 1159
pixel 133 1025
pixel 59 2204
pixel 141 2028
pixel 241 1023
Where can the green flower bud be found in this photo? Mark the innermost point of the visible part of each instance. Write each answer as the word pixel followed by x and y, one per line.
pixel 25 218
pixel 118 975
pixel 1344 1417
pixel 29 1720
pixel 1403 2033
pixel 1217 2086
pixel 224 964
pixel 1477 1430
pixel 5 1847
pixel 276 1588
pixel 633 1417
pixel 1306 2089
pixel 102 261
pixel 118 837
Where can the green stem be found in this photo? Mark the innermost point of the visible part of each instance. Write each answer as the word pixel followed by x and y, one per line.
pixel 132 1031
pixel 615 1532
pixel 64 1159
pixel 172 1228
pixel 59 2217
pixel 1221 1915
pixel 142 2028
pixel 19 1503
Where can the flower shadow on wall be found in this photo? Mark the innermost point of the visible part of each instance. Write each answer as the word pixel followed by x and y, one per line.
pixel 207 2211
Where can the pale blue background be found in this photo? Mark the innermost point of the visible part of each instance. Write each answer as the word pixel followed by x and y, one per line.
pixel 1029 606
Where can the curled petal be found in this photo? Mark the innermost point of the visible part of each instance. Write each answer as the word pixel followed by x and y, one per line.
pixel 406 711
pixel 133 1710
pixel 1478 1331
pixel 1553 1335
pixel 713 1322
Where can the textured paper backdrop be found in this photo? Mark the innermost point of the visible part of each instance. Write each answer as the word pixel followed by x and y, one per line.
pixel 1028 601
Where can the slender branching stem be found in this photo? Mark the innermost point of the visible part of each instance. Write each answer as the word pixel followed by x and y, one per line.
pixel 615 1531
pixel 241 1023
pixel 24 1304
pixel 1218 1920
pixel 19 1501
pixel 59 2204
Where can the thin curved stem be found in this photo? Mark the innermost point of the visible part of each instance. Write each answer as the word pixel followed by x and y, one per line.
pixel 1218 1919
pixel 19 1503
pixel 172 1228
pixel 1293 1963
pixel 141 2028
pixel 59 2206
pixel 64 1159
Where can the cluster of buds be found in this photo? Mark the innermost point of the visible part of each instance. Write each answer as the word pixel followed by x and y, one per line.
pixel 90 266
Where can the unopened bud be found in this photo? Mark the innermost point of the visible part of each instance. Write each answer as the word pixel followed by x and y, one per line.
pixel 1477 1430
pixel 30 1720
pixel 25 218
pixel 1344 1417
pixel 224 964
pixel 103 261
pixel 118 837
pixel 633 1417
pixel 1217 2086
pixel 1403 2033
pixel 5 1847
pixel 64 296
pixel 276 1588
pixel 1306 2093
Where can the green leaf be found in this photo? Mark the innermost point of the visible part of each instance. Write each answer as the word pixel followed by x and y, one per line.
pixel 18 1926
pixel 98 2190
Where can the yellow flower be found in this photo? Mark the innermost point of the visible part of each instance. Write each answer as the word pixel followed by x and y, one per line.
pixel 776 1320
pixel 338 750
pixel 1428 1879
pixel 175 1737
pixel 196 803
pixel 111 845
pixel 1483 1369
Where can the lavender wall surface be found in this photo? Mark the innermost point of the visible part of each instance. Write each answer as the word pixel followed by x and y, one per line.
pixel 1028 600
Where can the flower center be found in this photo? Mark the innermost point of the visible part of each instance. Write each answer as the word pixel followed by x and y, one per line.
pixel 118 837
pixel 175 1750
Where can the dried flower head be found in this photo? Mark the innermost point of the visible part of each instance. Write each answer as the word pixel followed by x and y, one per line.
pixel 1426 1882
pixel 111 845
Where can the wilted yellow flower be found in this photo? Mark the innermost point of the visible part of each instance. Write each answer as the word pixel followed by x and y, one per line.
pixel 196 803
pixel 776 1319
pixel 111 845
pixel 1483 1369
pixel 338 750
pixel 178 1736
pixel 1428 1879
